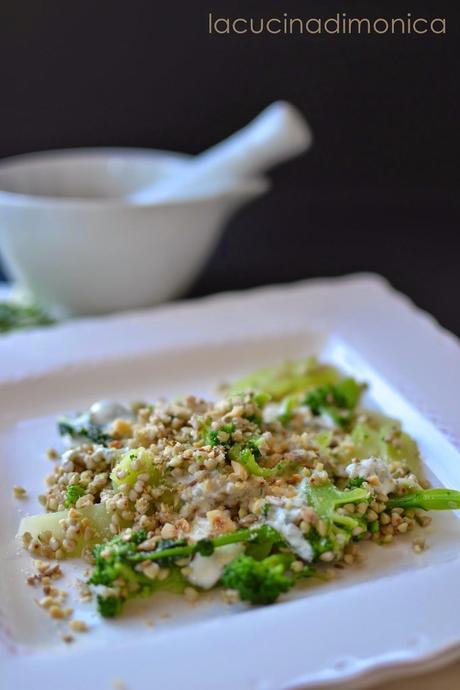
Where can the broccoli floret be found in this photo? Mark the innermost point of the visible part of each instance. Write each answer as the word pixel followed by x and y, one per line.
pixel 428 499
pixel 246 454
pixel 211 437
pixel 116 561
pixel 109 606
pixel 325 500
pixel 262 581
pixel 82 427
pixel 319 544
pixel 112 558
pixel 73 493
pixel 135 585
pixel 337 400
pixel 355 483
pixel 115 569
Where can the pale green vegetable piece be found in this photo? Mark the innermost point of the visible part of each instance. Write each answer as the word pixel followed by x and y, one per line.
pixel 323 439
pixel 287 378
pixel 382 437
pixel 50 522
pixel 144 465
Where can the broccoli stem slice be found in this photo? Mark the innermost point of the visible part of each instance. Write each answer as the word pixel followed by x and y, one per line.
pixel 428 499
pixel 207 546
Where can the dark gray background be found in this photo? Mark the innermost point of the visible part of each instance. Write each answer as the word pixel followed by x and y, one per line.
pixel 377 192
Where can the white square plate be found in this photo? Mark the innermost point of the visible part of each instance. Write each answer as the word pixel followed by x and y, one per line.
pixel 397 612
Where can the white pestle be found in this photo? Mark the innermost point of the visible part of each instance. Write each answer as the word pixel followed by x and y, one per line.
pixel 278 133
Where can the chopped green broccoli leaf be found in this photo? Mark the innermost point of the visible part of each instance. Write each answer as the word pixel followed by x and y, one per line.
pixel 338 400
pixel 374 526
pixel 263 541
pixel 109 606
pixel 82 427
pixel 211 437
pixel 214 437
pixel 115 569
pixel 73 493
pixel 318 543
pixel 19 316
pixel 355 483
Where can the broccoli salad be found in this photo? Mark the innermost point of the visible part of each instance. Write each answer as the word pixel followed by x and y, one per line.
pixel 274 485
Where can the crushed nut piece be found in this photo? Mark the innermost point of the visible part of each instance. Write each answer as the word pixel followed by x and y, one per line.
pixel 78 626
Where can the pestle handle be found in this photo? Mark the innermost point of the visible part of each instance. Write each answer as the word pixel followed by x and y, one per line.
pixel 278 133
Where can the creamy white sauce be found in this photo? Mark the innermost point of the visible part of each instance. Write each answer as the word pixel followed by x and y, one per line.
pixel 104 412
pixel 373 467
pixel 200 529
pixel 281 519
pixel 206 571
pixel 410 482
pixel 325 420
pixel 98 453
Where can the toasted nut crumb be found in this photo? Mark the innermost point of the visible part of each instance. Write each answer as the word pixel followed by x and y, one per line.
pixel 56 612
pixel 78 626
pixel 151 571
pixel 327 556
pixel 297 566
pixel 67 637
pixel 190 594
pixel 118 684
pixel 46 602
pixel 26 539
pixel 19 492
pixel 230 596
pixel 419 545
